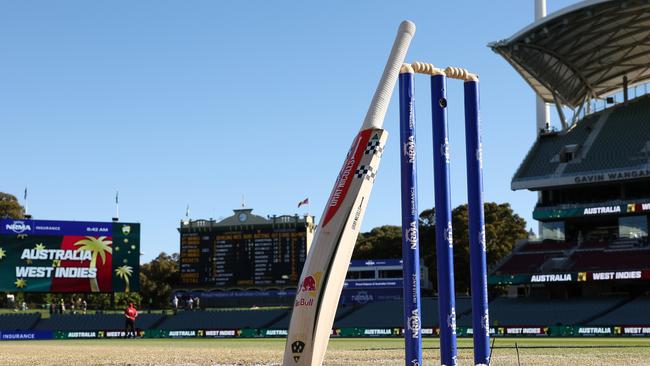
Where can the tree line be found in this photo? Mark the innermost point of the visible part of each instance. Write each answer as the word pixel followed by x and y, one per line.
pixel 159 277
pixel 503 227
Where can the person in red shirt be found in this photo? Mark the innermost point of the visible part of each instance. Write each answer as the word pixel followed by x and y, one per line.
pixel 130 313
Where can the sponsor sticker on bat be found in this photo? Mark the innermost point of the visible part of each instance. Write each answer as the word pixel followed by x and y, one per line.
pixel 308 290
pixel 344 180
pixel 297 348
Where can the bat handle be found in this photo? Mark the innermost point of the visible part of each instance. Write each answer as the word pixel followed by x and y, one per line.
pixel 381 98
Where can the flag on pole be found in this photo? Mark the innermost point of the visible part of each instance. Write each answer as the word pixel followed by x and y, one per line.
pixel 187 211
pixel 25 200
pixel 303 202
pixel 117 199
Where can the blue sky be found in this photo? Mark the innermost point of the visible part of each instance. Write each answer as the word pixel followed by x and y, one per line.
pixel 201 102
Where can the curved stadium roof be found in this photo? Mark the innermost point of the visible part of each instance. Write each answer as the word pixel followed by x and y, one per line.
pixel 583 51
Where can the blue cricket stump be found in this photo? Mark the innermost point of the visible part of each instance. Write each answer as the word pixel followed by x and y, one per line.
pixel 444 238
pixel 477 249
pixel 410 219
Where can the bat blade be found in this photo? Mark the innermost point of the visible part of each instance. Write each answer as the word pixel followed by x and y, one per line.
pixel 328 259
pixel 324 271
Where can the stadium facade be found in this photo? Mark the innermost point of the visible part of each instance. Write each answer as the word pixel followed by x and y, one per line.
pixel 590 264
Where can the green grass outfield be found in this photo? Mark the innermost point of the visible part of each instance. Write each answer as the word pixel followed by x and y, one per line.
pixel 342 351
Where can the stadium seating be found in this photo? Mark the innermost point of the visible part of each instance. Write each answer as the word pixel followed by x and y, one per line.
pixel 634 312
pixel 387 314
pixel 19 321
pixel 621 143
pixel 79 322
pixel 526 262
pixel 503 311
pixel 605 311
pixel 610 259
pixel 587 256
pixel 593 245
pixel 384 314
pixel 246 301
pixel 621 140
pixel 536 311
pixel 546 246
pixel 223 319
pixel 542 161
pixel 341 312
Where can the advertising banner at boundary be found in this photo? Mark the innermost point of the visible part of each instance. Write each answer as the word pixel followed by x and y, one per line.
pixel 8 335
pixel 358 332
pixel 69 256
pixel 99 334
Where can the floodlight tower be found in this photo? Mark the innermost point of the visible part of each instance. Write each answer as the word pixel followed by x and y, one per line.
pixel 542 108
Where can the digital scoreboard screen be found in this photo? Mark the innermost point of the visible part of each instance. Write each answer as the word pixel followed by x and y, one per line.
pixel 260 257
pixel 69 256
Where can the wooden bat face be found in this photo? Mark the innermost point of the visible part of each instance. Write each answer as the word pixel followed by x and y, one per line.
pixel 328 259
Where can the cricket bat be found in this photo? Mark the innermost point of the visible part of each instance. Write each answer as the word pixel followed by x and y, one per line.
pixel 323 274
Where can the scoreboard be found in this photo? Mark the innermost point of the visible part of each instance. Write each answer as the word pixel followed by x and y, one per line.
pixel 264 253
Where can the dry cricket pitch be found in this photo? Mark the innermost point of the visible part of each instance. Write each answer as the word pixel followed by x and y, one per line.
pixel 355 351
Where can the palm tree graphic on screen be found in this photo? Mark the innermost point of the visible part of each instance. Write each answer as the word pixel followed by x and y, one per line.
pixel 99 247
pixel 124 272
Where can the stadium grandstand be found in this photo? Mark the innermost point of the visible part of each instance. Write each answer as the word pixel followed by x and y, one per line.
pixel 590 263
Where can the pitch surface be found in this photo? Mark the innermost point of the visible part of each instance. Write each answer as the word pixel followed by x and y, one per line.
pixel 195 352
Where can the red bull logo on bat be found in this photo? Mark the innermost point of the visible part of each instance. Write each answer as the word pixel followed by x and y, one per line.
pixel 308 287
pixel 310 284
